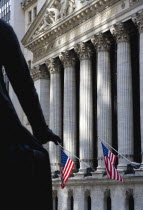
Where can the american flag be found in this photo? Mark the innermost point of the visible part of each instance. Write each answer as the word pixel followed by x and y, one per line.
pixel 110 160
pixel 67 167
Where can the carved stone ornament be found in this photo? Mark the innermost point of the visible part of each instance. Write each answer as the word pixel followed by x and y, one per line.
pixel 40 72
pixel 138 19
pixel 129 193
pixel 70 192
pixel 133 2
pixel 83 50
pixel 107 193
pixel 68 58
pixel 54 193
pixel 87 192
pixel 120 32
pixel 101 42
pixel 53 65
pixel 58 10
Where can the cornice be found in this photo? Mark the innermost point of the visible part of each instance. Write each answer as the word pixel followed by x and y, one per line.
pixel 104 181
pixel 69 22
pixel 27 3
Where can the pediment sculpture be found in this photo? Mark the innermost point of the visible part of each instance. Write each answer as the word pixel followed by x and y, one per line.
pixel 59 10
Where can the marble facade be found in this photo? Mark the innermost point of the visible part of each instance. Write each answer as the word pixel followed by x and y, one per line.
pixel 91 88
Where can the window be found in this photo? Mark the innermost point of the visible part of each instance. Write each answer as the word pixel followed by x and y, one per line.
pixel 34 12
pixel 71 203
pixel 108 203
pixel 30 16
pixel 131 203
pixel 5 10
pixel 56 203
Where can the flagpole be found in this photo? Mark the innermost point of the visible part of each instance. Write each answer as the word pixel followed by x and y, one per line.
pixel 118 152
pixel 77 157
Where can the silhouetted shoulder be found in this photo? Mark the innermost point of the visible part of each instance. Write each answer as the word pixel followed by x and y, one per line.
pixel 4 26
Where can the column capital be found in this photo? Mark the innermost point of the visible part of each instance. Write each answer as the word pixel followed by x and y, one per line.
pixel 120 33
pixel 101 42
pixel 39 72
pixel 53 65
pixel 68 58
pixel 83 50
pixel 138 19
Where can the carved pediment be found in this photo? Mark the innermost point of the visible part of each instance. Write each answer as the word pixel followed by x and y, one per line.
pixel 49 15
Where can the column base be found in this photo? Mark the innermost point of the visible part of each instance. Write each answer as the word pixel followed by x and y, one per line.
pixel 100 169
pixel 122 167
pixel 141 167
pixel 82 171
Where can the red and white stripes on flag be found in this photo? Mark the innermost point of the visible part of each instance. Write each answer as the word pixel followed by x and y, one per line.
pixel 110 160
pixel 67 167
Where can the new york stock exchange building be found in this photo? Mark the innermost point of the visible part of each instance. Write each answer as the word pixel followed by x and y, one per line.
pixel 88 71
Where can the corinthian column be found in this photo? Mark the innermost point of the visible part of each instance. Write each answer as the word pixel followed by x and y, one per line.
pixel 104 112
pixel 124 95
pixel 139 20
pixel 86 105
pixel 70 119
pixel 41 79
pixel 55 110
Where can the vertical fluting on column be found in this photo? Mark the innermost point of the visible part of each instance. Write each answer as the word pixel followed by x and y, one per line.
pixel 41 79
pixel 70 120
pixel 84 52
pixel 104 110
pixel 139 21
pixel 55 110
pixel 124 95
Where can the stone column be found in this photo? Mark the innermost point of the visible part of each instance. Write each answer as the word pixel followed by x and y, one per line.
pixel 79 198
pixel 97 198
pixel 70 120
pixel 63 199
pixel 55 110
pixel 84 52
pixel 104 109
pixel 124 95
pixel 118 198
pixel 138 200
pixel 139 21
pixel 41 79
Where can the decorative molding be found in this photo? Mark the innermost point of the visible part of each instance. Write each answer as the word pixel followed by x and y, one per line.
pixel 54 193
pixel 40 72
pixel 87 193
pixel 68 58
pixel 53 65
pixel 100 42
pixel 120 33
pixel 70 193
pixel 129 193
pixel 107 193
pixel 133 2
pixel 27 3
pixel 126 155
pixel 83 50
